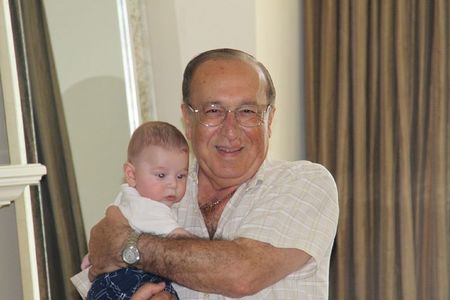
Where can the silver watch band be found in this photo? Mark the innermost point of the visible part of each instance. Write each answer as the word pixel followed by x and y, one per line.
pixel 133 237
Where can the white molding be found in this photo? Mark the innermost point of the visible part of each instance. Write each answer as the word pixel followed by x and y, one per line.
pixel 134 114
pixel 14 179
pixel 17 157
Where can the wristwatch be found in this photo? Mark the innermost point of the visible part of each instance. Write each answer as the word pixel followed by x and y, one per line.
pixel 130 253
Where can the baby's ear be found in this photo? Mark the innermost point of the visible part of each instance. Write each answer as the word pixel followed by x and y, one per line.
pixel 128 169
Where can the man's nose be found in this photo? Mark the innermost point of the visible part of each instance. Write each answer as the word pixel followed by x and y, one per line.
pixel 230 125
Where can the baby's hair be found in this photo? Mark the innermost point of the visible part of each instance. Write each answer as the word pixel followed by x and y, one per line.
pixel 156 133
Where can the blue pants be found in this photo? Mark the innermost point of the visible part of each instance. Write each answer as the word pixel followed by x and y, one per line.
pixel 123 283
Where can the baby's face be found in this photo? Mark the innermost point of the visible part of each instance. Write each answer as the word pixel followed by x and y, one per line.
pixel 160 174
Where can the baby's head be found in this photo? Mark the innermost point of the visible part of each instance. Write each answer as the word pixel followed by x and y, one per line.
pixel 158 161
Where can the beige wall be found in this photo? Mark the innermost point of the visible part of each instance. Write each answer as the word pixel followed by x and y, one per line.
pixel 10 274
pixel 10 280
pixel 9 260
pixel 268 29
pixel 278 45
pixel 85 36
pixel 86 43
pixel 4 155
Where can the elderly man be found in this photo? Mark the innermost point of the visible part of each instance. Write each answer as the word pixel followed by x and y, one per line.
pixel 265 228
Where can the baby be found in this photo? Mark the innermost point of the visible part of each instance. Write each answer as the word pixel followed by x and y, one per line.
pixel 156 174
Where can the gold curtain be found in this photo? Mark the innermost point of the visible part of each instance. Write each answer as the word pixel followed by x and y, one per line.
pixel 378 116
pixel 60 239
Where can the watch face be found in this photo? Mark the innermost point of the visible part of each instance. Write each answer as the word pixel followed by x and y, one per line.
pixel 130 255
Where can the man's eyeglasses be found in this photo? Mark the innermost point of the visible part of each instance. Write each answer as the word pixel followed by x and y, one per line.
pixel 212 115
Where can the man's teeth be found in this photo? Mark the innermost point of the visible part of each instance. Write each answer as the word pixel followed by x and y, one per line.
pixel 228 150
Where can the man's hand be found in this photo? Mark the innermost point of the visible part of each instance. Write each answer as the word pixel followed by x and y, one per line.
pixel 106 242
pixel 152 291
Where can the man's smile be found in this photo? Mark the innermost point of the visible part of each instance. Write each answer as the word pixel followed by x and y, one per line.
pixel 229 149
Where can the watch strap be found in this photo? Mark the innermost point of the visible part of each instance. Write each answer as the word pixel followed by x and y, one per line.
pixel 133 238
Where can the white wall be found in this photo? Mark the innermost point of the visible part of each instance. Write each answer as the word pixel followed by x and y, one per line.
pixel 4 154
pixel 10 277
pixel 179 30
pixel 10 274
pixel 278 46
pixel 85 37
pixel 268 29
pixel 86 44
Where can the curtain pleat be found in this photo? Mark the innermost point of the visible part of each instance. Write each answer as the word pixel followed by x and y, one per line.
pixel 343 155
pixel 59 231
pixel 377 102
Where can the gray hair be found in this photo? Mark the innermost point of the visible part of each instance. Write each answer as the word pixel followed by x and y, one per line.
pixel 225 53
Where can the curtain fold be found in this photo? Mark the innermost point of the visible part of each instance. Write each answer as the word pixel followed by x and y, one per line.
pixel 59 231
pixel 378 117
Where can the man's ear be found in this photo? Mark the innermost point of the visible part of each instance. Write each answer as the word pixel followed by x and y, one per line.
pixel 270 119
pixel 128 170
pixel 187 120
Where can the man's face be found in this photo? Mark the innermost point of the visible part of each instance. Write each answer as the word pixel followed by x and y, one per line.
pixel 228 154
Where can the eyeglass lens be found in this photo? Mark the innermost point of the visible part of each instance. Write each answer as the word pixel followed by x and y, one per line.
pixel 246 115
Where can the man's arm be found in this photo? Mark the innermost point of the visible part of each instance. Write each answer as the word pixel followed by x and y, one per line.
pixel 232 268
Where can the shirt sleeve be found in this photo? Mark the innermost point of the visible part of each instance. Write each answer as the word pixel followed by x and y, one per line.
pixel 296 207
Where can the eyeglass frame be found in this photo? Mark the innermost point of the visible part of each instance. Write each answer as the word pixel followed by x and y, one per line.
pixel 227 110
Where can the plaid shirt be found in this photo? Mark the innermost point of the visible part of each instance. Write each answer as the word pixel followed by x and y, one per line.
pixel 286 204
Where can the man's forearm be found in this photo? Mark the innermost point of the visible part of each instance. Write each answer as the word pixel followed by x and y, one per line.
pixel 232 268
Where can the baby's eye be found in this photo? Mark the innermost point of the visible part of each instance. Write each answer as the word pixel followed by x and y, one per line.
pixel 181 176
pixel 161 175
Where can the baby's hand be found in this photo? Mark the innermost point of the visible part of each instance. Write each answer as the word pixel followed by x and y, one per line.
pixel 85 263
